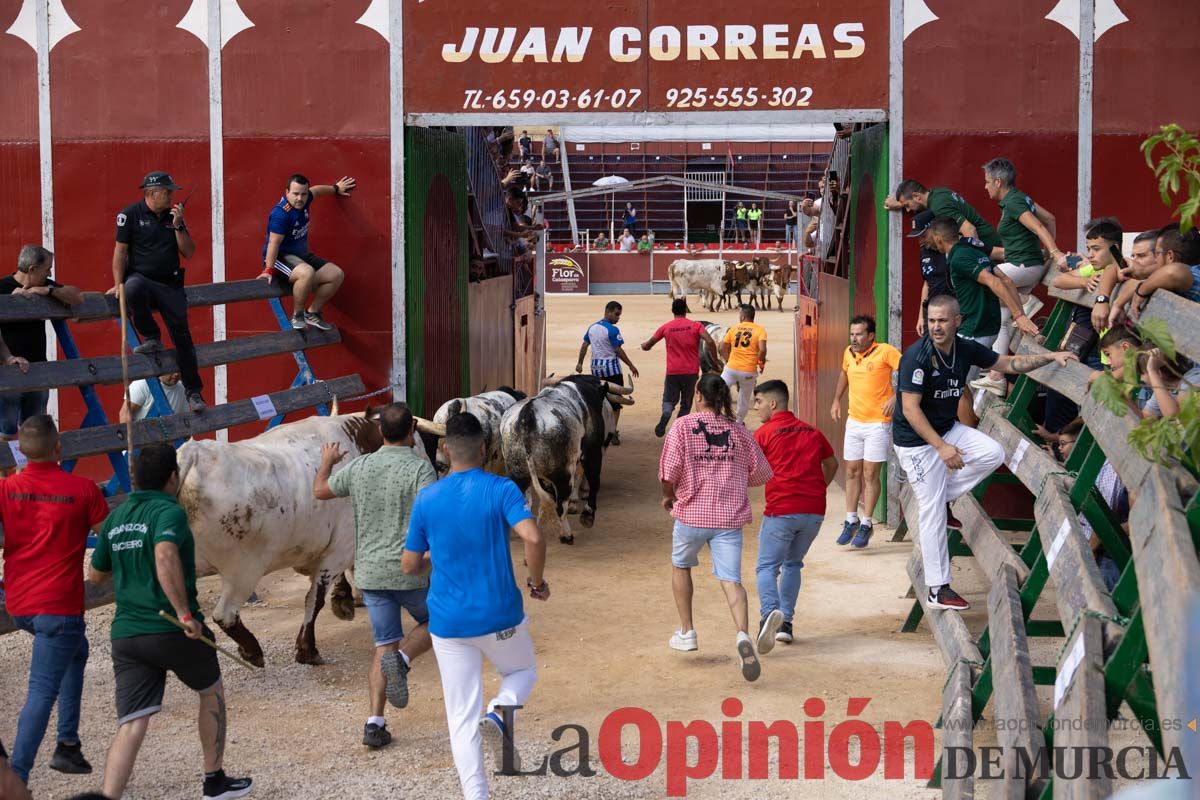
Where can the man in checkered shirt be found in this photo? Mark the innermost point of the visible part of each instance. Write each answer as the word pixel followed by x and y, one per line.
pixel 708 461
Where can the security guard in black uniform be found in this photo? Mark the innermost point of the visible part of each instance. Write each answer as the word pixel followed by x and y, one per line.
pixel 151 236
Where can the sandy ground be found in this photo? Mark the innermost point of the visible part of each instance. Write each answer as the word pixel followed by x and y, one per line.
pixel 601 644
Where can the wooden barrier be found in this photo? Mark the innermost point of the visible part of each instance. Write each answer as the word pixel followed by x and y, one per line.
pixel 957 733
pixel 1080 714
pixel 1016 697
pixel 1028 461
pixel 97 306
pixel 991 550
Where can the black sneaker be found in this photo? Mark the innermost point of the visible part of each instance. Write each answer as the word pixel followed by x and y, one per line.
pixel 376 736
pixel 220 786
pixel 315 320
pixel 615 441
pixel 785 633
pixel 196 402
pixel 395 676
pixel 660 429
pixel 69 758
pixel 946 598
pixel 148 346
pixel 298 321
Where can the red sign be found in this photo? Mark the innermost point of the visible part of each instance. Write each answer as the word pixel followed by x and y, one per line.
pixel 565 275
pixel 644 55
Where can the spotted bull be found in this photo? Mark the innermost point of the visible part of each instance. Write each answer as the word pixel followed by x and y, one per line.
pixel 488 408
pixel 553 444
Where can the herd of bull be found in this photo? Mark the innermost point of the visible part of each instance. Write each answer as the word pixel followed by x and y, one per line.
pixel 719 281
pixel 251 507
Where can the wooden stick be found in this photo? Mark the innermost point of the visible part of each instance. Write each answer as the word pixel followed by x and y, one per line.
pixel 125 381
pixel 208 641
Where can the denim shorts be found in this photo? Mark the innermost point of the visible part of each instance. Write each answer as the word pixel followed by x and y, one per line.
pixel 725 544
pixel 383 609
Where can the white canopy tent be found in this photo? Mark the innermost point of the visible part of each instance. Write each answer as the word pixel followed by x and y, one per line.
pixel 584 134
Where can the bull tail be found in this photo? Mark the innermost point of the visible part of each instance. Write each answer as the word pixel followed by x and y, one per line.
pixel 538 489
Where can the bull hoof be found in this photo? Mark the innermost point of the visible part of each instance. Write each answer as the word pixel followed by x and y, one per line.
pixel 343 607
pixel 312 658
pixel 254 658
pixel 588 518
pixel 567 539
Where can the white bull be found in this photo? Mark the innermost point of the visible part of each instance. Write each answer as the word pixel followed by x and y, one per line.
pixel 706 275
pixel 252 512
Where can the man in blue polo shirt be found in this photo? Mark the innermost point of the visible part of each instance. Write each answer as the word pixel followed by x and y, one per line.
pixel 460 525
pixel 288 260
pixel 604 337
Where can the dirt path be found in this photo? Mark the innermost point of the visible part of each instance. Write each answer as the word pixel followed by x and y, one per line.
pixel 601 644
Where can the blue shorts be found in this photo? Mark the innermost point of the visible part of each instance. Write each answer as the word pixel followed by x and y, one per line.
pixel 383 609
pixel 724 543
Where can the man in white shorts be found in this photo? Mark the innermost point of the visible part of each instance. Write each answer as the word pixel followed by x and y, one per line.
pixel 868 370
pixel 744 350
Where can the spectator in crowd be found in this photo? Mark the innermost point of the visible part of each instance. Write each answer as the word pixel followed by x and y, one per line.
pixel 744 351
pixel 1025 228
pixel 27 340
pixel 147 549
pixel 943 458
pixel 791 218
pixel 383 487
pixel 461 523
pixel 526 145
pixel 803 465
pixel 287 259
pixel 151 236
pixel 141 399
pixel 1178 271
pixel 47 514
pixel 754 216
pixel 913 197
pixel 812 206
pixel 868 372
pixel 631 218
pixel 741 231
pixel 1166 381
pixel 683 360
pixel 529 174
pixel 644 245
pixel 544 175
pixel 1141 262
pixel 601 242
pixel 708 462
pixel 550 146
pixel 628 243
pixel 608 351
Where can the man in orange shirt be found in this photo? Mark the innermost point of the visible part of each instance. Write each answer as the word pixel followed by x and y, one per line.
pixel 868 370
pixel 744 350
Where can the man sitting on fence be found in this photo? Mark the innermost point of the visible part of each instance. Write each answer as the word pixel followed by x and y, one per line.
pixel 286 256
pixel 27 339
pixel 151 236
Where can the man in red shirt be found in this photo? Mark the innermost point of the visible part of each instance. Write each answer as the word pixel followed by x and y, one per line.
pixel 47 514
pixel 803 464
pixel 683 361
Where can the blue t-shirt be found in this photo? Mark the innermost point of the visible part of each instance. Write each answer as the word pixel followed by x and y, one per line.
pixel 463 522
pixel 292 224
pixel 605 338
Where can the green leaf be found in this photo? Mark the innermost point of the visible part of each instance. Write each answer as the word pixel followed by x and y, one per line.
pixel 1109 394
pixel 1130 377
pixel 1158 333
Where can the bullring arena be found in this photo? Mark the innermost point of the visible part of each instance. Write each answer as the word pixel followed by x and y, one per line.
pixel 1022 621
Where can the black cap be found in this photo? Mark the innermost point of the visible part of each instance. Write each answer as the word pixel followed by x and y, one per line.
pixel 158 180
pixel 920 223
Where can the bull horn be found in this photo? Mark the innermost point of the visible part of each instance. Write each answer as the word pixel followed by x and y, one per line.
pixel 620 399
pixel 622 390
pixel 629 380
pixel 431 428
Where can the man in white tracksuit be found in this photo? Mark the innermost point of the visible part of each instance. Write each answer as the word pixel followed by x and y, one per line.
pixel 943 458
pixel 460 525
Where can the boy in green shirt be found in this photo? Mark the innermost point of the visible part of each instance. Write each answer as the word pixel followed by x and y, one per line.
pixel 147 548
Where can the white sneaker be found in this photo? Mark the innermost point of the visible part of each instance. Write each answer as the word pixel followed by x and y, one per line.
pixel 998 387
pixel 684 640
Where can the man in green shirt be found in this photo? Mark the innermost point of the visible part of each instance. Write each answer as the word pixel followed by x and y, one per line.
pixel 382 486
pixel 913 197
pixel 147 548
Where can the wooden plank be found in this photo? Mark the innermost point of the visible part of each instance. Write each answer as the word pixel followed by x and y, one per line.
pixel 949 630
pixel 1164 558
pixel 1016 704
pixel 1112 434
pixel 1080 714
pixel 1080 297
pixel 491 321
pixel 1070 380
pixel 111 438
pixel 991 550
pixel 957 734
pixel 107 369
pixel 1073 571
pixel 1028 461
pixel 1180 314
pixel 100 306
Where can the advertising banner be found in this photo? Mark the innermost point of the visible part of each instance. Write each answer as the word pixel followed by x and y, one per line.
pixel 566 275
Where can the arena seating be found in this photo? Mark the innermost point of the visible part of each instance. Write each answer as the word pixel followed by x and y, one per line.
pixel 1119 646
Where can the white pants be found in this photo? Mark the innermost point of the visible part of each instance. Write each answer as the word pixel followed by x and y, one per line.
pixel 934 485
pixel 461 663
pixel 1026 277
pixel 867 441
pixel 745 382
